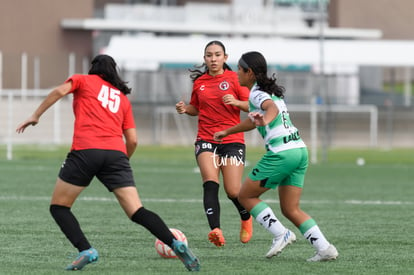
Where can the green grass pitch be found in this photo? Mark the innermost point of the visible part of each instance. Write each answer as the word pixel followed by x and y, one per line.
pixel 366 211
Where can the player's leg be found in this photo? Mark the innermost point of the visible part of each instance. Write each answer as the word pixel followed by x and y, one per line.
pixel 63 198
pixel 130 202
pixel 232 160
pixel 208 163
pixel 289 202
pixel 69 185
pixel 290 192
pixel 117 176
pixel 289 197
pixel 265 175
pixel 232 170
pixel 250 198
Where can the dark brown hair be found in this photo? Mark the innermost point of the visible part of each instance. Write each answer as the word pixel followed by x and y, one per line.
pixel 105 66
pixel 202 69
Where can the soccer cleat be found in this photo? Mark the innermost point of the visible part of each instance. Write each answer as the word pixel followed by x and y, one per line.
pixel 216 237
pixel 185 255
pixel 279 243
pixel 246 230
pixel 85 257
pixel 328 254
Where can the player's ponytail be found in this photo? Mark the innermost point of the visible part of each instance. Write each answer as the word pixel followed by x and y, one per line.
pixel 257 63
pixel 105 66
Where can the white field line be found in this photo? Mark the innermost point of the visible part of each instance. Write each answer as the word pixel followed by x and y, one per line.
pixel 166 200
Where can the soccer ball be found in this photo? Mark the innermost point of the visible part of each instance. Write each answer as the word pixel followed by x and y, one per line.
pixel 164 250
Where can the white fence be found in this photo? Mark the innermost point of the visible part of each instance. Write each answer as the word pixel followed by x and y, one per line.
pixel 350 126
pixel 315 129
pixel 55 126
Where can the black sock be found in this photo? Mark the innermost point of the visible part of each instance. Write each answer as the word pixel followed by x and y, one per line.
pixel 211 203
pixel 244 214
pixel 69 226
pixel 154 224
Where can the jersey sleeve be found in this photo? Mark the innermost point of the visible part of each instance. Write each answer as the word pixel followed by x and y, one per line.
pixel 241 91
pixel 194 96
pixel 258 97
pixel 76 82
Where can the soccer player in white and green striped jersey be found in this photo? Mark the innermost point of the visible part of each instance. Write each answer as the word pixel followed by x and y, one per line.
pixel 283 166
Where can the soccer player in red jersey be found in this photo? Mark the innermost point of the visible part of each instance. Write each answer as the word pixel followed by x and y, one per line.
pixel 217 99
pixel 103 118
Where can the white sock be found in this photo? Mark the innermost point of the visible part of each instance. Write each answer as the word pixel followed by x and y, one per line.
pixel 269 221
pixel 316 238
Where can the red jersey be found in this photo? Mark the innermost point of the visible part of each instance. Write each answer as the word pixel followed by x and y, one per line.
pixel 102 113
pixel 213 114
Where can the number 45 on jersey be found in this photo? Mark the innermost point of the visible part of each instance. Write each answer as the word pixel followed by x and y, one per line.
pixel 109 98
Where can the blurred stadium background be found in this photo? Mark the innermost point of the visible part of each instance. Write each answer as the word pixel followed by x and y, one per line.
pixel 346 64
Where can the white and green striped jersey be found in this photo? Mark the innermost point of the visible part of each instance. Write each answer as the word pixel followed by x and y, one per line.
pixel 280 134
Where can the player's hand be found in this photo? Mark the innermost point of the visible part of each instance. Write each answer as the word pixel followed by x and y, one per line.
pixel 180 107
pixel 30 121
pixel 218 136
pixel 257 118
pixel 229 100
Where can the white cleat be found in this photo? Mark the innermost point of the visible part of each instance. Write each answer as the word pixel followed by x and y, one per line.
pixel 279 243
pixel 328 254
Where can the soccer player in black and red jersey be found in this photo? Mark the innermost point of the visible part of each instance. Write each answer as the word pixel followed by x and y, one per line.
pixel 217 99
pixel 103 118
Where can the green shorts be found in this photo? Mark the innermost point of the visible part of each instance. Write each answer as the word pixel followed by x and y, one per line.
pixel 282 168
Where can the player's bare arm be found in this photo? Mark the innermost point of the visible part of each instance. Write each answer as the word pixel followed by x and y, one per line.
pixel 56 94
pixel 131 141
pixel 230 100
pixel 188 109
pixel 271 112
pixel 244 126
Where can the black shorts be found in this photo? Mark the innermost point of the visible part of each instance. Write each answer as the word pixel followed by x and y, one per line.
pixel 111 167
pixel 227 150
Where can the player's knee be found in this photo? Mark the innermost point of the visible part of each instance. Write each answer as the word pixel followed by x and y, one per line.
pixel 210 188
pixel 59 211
pixel 232 194
pixel 53 208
